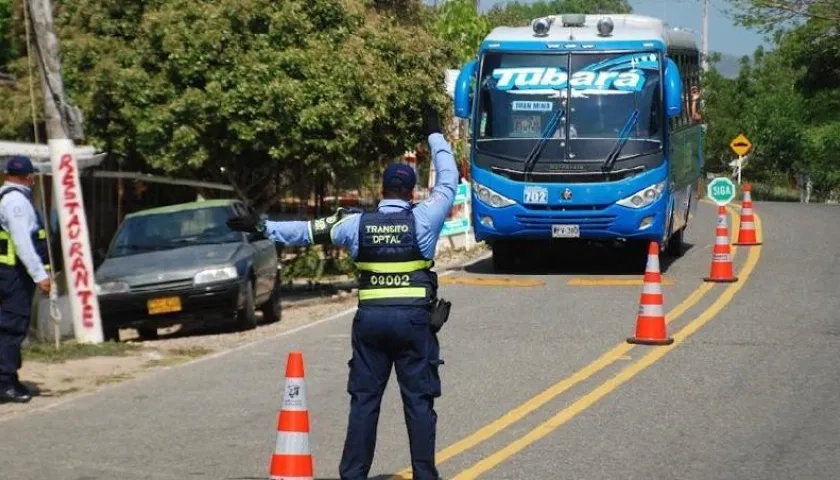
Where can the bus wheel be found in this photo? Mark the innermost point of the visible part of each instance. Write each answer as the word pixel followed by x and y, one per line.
pixel 675 244
pixel 505 257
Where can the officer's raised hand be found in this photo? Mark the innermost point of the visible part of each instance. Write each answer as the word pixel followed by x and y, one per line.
pixel 431 120
pixel 250 222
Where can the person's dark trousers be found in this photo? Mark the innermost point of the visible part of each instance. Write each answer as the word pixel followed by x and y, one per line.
pixel 382 336
pixel 16 291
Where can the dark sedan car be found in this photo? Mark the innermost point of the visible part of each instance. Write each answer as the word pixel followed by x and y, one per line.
pixel 170 265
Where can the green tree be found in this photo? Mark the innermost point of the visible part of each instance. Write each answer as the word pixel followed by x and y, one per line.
pixel 459 24
pixel 7 46
pixel 299 90
pixel 779 15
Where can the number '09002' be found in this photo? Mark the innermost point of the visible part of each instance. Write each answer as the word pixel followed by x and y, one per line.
pixel 400 280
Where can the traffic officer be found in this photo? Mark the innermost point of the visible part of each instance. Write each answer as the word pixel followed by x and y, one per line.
pixel 393 249
pixel 24 263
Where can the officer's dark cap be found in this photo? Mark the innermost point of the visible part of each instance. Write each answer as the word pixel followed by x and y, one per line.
pixel 20 165
pixel 398 177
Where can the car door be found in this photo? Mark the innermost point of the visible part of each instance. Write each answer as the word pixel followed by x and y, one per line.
pixel 264 261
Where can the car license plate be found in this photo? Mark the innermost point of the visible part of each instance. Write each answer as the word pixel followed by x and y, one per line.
pixel 565 231
pixel 157 306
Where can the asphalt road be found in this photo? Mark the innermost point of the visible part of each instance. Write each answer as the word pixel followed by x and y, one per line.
pixel 750 389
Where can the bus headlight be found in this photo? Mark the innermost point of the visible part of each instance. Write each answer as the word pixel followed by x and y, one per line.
pixel 490 197
pixel 644 197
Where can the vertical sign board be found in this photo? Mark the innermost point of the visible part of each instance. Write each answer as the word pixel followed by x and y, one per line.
pixel 75 242
pixel 458 220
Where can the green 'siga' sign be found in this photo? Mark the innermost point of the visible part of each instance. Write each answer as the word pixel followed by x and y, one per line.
pixel 721 190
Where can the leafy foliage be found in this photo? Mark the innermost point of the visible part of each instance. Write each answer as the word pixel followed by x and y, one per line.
pixel 299 88
pixel 787 102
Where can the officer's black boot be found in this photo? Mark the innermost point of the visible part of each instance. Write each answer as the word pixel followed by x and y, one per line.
pixel 15 393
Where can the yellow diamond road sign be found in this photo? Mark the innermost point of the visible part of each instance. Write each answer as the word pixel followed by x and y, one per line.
pixel 740 145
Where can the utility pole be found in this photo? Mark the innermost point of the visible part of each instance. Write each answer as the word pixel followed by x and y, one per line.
pixel 64 124
pixel 705 35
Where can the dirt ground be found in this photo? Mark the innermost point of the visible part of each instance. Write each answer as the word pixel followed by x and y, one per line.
pixel 76 369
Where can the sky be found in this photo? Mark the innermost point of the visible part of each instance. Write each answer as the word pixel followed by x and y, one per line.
pixel 724 36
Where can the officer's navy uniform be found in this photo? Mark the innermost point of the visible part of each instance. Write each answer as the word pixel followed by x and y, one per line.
pixel 393 249
pixel 23 262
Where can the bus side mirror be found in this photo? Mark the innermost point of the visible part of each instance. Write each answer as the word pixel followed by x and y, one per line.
pixel 463 98
pixel 673 89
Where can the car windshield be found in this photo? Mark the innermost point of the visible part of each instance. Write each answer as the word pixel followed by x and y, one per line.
pixel 520 92
pixel 165 231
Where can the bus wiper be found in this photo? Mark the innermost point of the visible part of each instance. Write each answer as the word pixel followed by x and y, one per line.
pixel 531 160
pixel 623 135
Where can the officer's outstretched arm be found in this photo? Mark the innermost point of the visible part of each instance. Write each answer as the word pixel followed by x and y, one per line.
pixel 336 229
pixel 431 213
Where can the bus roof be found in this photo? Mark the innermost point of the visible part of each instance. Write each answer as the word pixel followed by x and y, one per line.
pixel 627 27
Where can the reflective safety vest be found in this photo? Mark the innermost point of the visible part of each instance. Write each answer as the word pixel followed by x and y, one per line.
pixel 8 256
pixel 392 269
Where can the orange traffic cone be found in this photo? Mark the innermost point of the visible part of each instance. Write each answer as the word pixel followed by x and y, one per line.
pixel 292 459
pixel 722 270
pixel 746 232
pixel 650 322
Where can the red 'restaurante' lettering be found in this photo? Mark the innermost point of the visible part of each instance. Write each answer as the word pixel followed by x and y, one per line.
pixel 78 270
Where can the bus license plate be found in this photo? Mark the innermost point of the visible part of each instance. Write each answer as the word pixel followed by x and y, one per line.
pixel 565 231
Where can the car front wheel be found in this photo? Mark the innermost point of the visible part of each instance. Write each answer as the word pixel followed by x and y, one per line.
pixel 272 310
pixel 246 317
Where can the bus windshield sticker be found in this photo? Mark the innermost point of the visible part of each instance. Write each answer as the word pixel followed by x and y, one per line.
pixel 617 75
pixel 529 106
pixel 528 126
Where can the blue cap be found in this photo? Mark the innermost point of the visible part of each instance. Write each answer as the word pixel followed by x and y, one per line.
pixel 398 176
pixel 20 166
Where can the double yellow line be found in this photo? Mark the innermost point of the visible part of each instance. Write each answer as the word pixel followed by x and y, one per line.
pixel 607 359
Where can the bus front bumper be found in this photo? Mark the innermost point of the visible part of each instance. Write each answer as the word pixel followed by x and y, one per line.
pixel 586 222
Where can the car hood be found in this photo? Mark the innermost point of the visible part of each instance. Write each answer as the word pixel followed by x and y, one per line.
pixel 166 265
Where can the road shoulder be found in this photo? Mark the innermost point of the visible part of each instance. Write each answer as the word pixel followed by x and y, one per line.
pixel 72 370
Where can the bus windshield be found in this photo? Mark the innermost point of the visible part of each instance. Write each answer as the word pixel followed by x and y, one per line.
pixel 520 93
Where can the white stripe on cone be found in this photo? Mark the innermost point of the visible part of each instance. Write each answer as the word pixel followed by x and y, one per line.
pixel 292 443
pixel 651 311
pixel 652 287
pixel 653 263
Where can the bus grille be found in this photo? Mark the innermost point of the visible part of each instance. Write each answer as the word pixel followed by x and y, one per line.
pixel 544 222
pixel 567 207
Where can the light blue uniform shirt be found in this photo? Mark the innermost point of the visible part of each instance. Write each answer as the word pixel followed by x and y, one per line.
pixel 18 217
pixel 428 215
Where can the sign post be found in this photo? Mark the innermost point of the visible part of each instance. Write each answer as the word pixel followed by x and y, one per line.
pixel 63 124
pixel 721 190
pixel 741 145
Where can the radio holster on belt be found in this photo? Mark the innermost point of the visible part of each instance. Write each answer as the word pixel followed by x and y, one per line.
pixel 440 314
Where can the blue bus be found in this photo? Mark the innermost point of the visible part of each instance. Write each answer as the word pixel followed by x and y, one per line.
pixel 581 129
